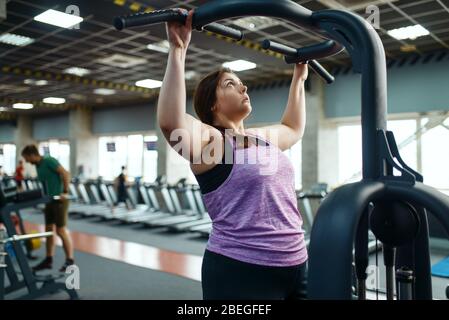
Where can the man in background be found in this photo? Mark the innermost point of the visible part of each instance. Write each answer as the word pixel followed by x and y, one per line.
pixel 55 180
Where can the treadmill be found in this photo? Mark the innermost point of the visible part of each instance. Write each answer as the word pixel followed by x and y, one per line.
pixel 182 214
pixel 152 210
pixel 91 202
pixel 194 197
pixel 117 213
pixel 160 197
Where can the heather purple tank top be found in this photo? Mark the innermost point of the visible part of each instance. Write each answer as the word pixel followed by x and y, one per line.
pixel 255 218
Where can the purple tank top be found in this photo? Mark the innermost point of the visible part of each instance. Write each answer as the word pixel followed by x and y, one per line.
pixel 255 218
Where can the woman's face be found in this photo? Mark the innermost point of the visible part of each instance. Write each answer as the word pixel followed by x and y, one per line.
pixel 232 99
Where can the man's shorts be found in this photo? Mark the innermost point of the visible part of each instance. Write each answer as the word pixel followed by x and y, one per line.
pixel 57 212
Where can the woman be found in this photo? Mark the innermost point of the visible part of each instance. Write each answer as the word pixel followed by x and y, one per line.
pixel 256 249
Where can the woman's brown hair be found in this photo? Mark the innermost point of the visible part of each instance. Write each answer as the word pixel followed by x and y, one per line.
pixel 205 95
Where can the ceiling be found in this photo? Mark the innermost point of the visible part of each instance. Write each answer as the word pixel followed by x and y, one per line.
pixel 55 49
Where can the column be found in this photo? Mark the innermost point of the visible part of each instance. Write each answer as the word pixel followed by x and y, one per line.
pixel 23 136
pixel 83 144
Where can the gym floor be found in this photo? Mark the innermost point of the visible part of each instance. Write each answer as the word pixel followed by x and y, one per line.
pixel 119 261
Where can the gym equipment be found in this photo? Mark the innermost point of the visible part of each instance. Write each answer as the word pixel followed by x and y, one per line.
pixel 33 243
pixel 183 214
pixel 30 236
pixel 195 198
pixel 78 205
pixel 152 211
pixel 86 206
pixel 172 212
pixel 10 194
pixel 203 229
pixel 93 204
pixel 303 55
pixel 27 279
pixel 343 220
pixel 316 193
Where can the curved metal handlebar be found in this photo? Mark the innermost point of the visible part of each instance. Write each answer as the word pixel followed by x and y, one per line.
pixel 283 9
pixel 292 55
pixel 306 55
pixel 158 16
pixel 317 51
pixel 141 19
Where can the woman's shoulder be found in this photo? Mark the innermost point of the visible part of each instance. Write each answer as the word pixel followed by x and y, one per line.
pixel 260 134
pixel 256 132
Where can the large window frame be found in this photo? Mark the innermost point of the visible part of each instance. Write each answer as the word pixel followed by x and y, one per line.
pixel 131 152
pixel 58 149
pixel 8 158
pixel 414 148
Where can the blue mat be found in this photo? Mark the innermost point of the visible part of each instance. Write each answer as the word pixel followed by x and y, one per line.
pixel 441 269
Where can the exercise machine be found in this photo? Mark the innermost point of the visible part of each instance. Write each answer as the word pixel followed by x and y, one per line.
pixel 393 207
pixel 12 202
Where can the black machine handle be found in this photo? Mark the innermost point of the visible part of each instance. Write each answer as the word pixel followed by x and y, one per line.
pixel 223 30
pixel 158 16
pixel 306 55
pixel 317 51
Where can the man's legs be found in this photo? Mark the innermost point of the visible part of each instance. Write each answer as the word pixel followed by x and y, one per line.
pixel 50 241
pixel 66 242
pixel 47 263
pixel 56 213
pixel 61 231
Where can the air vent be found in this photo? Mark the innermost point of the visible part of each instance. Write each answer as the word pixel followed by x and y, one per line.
pixel 121 61
pixel 12 88
pixel 77 96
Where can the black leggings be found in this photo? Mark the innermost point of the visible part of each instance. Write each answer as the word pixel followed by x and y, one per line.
pixel 224 278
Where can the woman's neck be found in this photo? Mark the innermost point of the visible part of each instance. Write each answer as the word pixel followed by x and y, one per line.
pixel 236 127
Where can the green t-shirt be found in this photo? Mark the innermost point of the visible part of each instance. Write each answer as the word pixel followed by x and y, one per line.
pixel 50 178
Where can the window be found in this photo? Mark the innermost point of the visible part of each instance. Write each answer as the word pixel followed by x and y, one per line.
pixel 150 158
pixel 295 156
pixel 435 156
pixel 178 168
pixel 8 158
pixel 350 147
pixel 60 150
pixel 404 134
pixel 112 155
pixel 137 152
pixel 135 155
pixel 349 153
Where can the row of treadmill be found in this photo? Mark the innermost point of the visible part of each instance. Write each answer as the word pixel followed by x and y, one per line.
pixel 177 207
